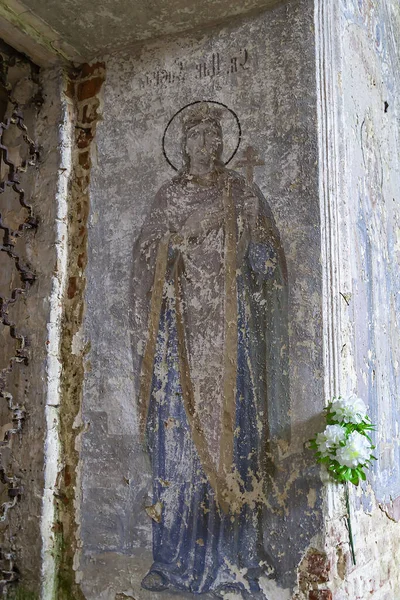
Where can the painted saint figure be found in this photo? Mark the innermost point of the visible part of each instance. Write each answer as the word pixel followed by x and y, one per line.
pixel 208 264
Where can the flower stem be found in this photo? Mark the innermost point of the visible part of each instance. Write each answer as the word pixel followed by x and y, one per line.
pixel 353 554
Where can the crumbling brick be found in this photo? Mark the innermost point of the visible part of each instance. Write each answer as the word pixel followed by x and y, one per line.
pixel 320 595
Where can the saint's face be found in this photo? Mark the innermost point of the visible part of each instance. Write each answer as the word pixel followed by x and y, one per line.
pixel 203 146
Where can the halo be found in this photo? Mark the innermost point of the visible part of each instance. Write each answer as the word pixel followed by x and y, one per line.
pixel 232 139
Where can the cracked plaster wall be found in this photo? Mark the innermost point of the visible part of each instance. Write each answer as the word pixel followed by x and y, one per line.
pixel 139 97
pixel 367 84
pixel 274 96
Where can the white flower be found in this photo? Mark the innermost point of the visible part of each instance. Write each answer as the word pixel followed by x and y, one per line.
pixel 356 451
pixel 349 410
pixel 330 439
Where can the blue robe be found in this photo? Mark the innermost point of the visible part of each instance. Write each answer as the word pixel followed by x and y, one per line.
pixel 210 522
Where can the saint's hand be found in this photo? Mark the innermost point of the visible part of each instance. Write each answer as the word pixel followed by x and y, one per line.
pixel 251 210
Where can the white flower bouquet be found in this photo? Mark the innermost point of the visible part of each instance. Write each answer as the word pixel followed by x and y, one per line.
pixel 345 446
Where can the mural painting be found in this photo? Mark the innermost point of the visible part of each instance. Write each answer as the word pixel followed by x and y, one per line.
pixel 209 275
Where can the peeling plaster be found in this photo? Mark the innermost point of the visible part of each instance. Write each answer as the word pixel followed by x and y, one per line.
pixel 45 44
pixel 82 90
pixel 136 112
pixel 120 24
pixel 272 591
pixel 52 445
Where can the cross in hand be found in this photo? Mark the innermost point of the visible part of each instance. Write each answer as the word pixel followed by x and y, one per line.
pixel 249 161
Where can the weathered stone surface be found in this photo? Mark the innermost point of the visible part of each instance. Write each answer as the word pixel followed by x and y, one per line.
pixel 315 567
pixel 363 166
pixel 26 383
pixel 106 27
pixel 264 69
pixel 320 595
pixel 372 335
pixel 266 61
pixel 73 349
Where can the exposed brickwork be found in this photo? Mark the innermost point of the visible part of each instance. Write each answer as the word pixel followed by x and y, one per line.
pixel 320 595
pixel 375 575
pixel 318 567
pixel 377 547
pixel 82 91
pixel 313 571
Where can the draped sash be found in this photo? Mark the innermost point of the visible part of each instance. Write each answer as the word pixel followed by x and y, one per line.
pixel 217 476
